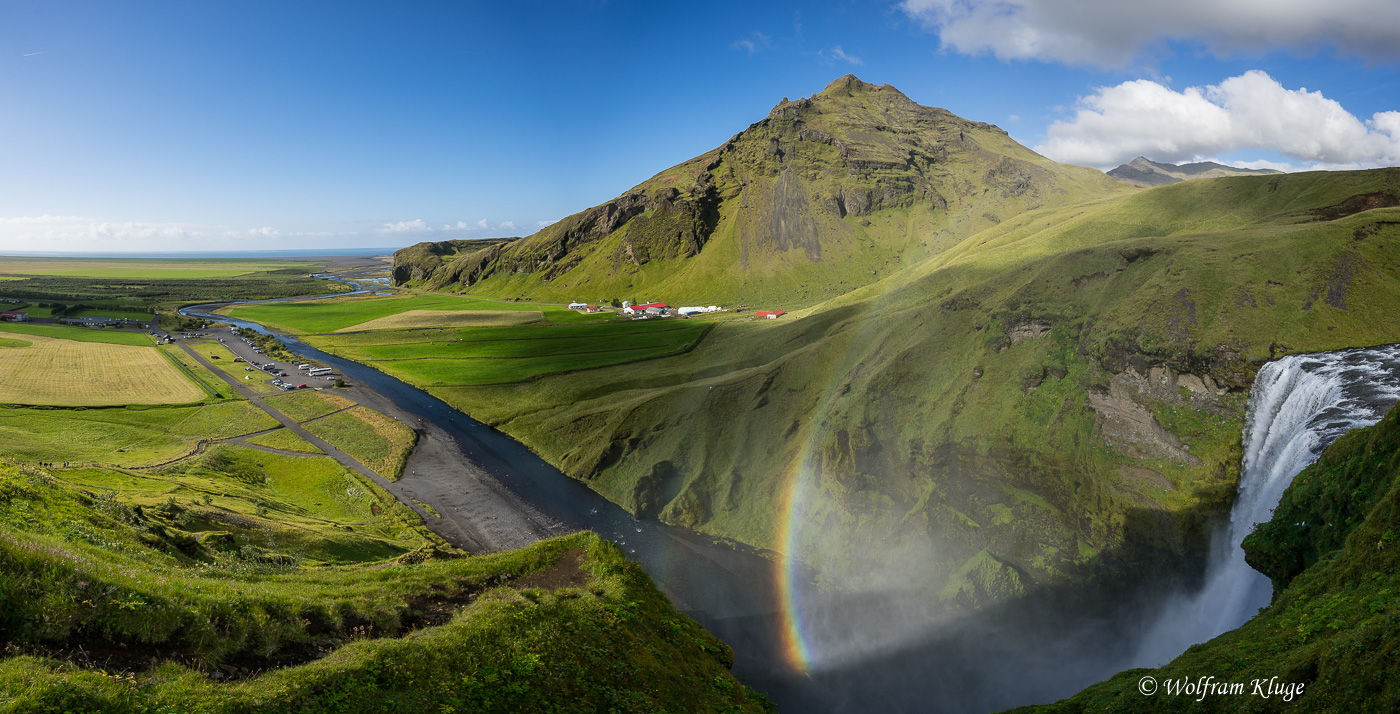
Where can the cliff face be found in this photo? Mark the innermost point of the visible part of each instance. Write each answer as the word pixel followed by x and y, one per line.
pixel 825 194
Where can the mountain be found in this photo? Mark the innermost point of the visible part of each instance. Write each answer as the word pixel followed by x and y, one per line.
pixel 1145 172
pixel 1328 635
pixel 822 196
pixel 1056 399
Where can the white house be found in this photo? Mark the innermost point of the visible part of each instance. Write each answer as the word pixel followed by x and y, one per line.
pixel 577 305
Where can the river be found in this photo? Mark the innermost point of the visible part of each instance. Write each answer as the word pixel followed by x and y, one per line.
pixel 992 660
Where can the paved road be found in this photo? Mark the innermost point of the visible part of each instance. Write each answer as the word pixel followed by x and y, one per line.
pixel 475 512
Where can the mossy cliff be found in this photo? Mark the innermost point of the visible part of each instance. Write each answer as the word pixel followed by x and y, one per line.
pixel 1332 550
pixel 822 196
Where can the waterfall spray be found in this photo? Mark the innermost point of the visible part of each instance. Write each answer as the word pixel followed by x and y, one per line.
pixel 1297 406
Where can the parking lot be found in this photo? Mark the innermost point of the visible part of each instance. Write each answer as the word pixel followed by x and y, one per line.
pixel 283 375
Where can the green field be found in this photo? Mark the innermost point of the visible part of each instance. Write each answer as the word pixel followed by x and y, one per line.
pixel 193 368
pixel 122 437
pixel 304 405
pixel 375 440
pixel 285 439
pixel 317 316
pixel 438 358
pixel 81 334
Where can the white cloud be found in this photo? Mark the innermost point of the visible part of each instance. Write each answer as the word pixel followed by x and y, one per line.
pixel 838 53
pixel 1250 111
pixel 508 225
pixel 459 226
pixel 414 226
pixel 482 223
pixel 755 42
pixel 264 232
pixel 1113 33
pixel 542 224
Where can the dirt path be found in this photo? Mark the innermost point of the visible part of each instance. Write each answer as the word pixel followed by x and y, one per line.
pixel 474 511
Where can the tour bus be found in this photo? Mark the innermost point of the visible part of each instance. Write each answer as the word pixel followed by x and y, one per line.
pixel 319 371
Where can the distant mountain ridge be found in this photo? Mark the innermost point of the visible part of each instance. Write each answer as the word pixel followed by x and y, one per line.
pixel 1147 172
pixel 824 195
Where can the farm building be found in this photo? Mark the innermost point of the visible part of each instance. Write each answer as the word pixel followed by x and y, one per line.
pixel 660 307
pixel 577 305
pixel 770 314
pixel 697 310
pixel 593 308
pixel 14 316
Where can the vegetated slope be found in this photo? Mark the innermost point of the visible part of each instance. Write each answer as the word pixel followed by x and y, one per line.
pixel 824 195
pixel 1146 172
pixel 1331 551
pixel 96 589
pixel 1058 396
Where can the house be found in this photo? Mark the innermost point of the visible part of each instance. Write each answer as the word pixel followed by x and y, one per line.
pixel 660 307
pixel 592 308
pixel 577 305
pixel 14 316
pixel 770 314
pixel 697 310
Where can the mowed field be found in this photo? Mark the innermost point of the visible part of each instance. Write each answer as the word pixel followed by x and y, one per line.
pixel 354 314
pixel 63 372
pixel 477 356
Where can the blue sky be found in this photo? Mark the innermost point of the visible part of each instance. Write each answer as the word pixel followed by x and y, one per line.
pixel 255 125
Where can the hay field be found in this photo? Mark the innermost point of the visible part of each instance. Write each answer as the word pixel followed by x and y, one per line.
pixel 448 318
pixel 375 440
pixel 69 373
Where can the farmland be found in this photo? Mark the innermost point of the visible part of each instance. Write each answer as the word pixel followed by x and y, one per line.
pixel 144 269
pixel 351 314
pixel 375 440
pixel 79 334
pixel 476 356
pixel 64 372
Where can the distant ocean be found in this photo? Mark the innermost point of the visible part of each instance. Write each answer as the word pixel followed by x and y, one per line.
pixel 306 253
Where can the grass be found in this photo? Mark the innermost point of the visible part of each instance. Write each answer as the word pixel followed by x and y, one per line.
pixel 66 372
pixel 379 442
pixel 80 334
pixel 123 436
pixel 193 368
pixel 253 379
pixel 285 439
pixel 305 405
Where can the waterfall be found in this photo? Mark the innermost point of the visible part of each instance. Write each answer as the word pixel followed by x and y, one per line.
pixel 1297 406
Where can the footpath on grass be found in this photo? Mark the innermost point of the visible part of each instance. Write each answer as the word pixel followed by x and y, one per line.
pixel 455 498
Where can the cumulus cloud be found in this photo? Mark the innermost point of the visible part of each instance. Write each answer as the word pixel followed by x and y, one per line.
pixel 1250 111
pixel 459 226
pixel 414 226
pixel 264 232
pixel 47 233
pixel 508 225
pixel 1113 33
pixel 542 224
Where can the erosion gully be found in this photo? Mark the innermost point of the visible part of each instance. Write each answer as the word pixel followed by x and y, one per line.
pixel 987 661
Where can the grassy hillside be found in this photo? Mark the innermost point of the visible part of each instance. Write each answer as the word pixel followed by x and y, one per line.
pixel 1067 384
pixel 1329 633
pixel 824 195
pixel 117 608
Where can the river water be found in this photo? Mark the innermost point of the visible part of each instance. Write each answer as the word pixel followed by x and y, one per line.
pixel 996 659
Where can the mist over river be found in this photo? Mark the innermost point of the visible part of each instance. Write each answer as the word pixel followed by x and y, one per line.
pixel 886 649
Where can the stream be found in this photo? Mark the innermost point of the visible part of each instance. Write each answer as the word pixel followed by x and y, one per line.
pixel 991 660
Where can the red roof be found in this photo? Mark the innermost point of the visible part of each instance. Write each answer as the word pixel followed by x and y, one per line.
pixel 661 305
pixel 770 313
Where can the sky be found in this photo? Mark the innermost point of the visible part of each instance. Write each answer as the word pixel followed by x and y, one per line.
pixel 221 126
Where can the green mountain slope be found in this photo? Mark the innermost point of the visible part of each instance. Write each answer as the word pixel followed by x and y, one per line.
pixel 1146 172
pixel 1056 397
pixel 117 608
pixel 1329 635
pixel 824 195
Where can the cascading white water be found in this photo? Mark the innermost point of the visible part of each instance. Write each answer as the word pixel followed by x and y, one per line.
pixel 1297 406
